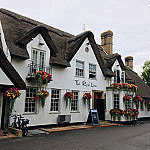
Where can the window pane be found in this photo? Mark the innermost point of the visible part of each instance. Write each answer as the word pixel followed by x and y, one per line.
pixel 55 98
pixel 116 101
pixel 92 71
pixel 79 68
pixel 74 101
pixel 30 100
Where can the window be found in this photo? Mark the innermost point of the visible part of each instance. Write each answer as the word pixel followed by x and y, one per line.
pixel 74 101
pixel 38 60
pixel 30 100
pixel 141 106
pixel 55 99
pixel 117 76
pixel 122 77
pixel 116 101
pixel 92 71
pixel 79 68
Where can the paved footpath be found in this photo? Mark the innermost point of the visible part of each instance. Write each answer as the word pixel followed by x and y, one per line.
pixel 58 129
pixel 127 137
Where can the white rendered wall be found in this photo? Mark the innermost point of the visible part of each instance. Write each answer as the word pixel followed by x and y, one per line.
pixel 65 80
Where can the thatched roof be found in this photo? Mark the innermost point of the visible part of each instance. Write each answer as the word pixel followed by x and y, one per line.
pixel 10 71
pixel 143 88
pixel 19 30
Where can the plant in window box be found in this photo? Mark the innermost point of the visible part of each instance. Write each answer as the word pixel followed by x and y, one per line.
pixel 68 96
pixel 127 113
pixel 42 95
pixel 42 78
pixel 134 113
pixel 137 100
pixel 116 113
pixel 130 86
pixel 86 98
pixel 147 104
pixel 126 100
pixel 117 86
pixel 12 94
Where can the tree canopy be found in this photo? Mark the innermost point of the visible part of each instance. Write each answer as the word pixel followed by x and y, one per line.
pixel 146 72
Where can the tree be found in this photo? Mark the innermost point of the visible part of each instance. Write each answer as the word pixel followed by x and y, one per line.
pixel 146 72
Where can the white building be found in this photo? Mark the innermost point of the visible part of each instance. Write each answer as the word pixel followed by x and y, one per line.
pixel 77 64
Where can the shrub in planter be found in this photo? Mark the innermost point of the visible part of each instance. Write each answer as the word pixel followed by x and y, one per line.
pixel 131 114
pixel 117 86
pixel 116 113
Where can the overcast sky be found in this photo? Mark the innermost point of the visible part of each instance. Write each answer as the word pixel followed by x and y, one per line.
pixel 128 19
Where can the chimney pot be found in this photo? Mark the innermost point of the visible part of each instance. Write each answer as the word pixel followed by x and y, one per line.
pixel 129 62
pixel 107 41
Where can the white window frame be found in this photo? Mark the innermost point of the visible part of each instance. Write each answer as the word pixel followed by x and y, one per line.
pixel 74 108
pixel 116 98
pixel 38 62
pixel 55 105
pixel 30 100
pixel 115 77
pixel 122 77
pixel 78 70
pixel 92 72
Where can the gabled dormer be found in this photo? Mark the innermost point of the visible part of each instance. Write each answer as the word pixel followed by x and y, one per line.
pixel 40 48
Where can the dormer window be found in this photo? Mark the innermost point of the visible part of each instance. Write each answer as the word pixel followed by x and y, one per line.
pixel 38 60
pixel 122 77
pixel 117 76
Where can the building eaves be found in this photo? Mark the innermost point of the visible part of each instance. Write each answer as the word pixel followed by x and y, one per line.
pixel 10 72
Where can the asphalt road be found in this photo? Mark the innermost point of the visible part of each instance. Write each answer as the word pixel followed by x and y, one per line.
pixel 135 137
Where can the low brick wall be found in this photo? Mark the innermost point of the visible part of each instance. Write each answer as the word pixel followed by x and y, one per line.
pixel 15 131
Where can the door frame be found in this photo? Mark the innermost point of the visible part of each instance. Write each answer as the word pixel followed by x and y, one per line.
pixel 96 91
pixel 101 93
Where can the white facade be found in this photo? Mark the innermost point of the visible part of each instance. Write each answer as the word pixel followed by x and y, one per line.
pixel 64 79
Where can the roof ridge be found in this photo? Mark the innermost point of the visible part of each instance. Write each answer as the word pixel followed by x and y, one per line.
pixel 79 36
pixel 34 22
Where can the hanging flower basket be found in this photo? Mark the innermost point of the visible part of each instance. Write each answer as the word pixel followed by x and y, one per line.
pixel 12 94
pixel 86 98
pixel 42 95
pixel 42 78
pixel 116 113
pixel 147 104
pixel 126 100
pixel 137 100
pixel 68 96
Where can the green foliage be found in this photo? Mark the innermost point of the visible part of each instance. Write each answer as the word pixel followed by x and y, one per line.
pixel 146 72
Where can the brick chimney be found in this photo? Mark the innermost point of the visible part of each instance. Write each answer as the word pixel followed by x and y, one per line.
pixel 129 62
pixel 107 41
